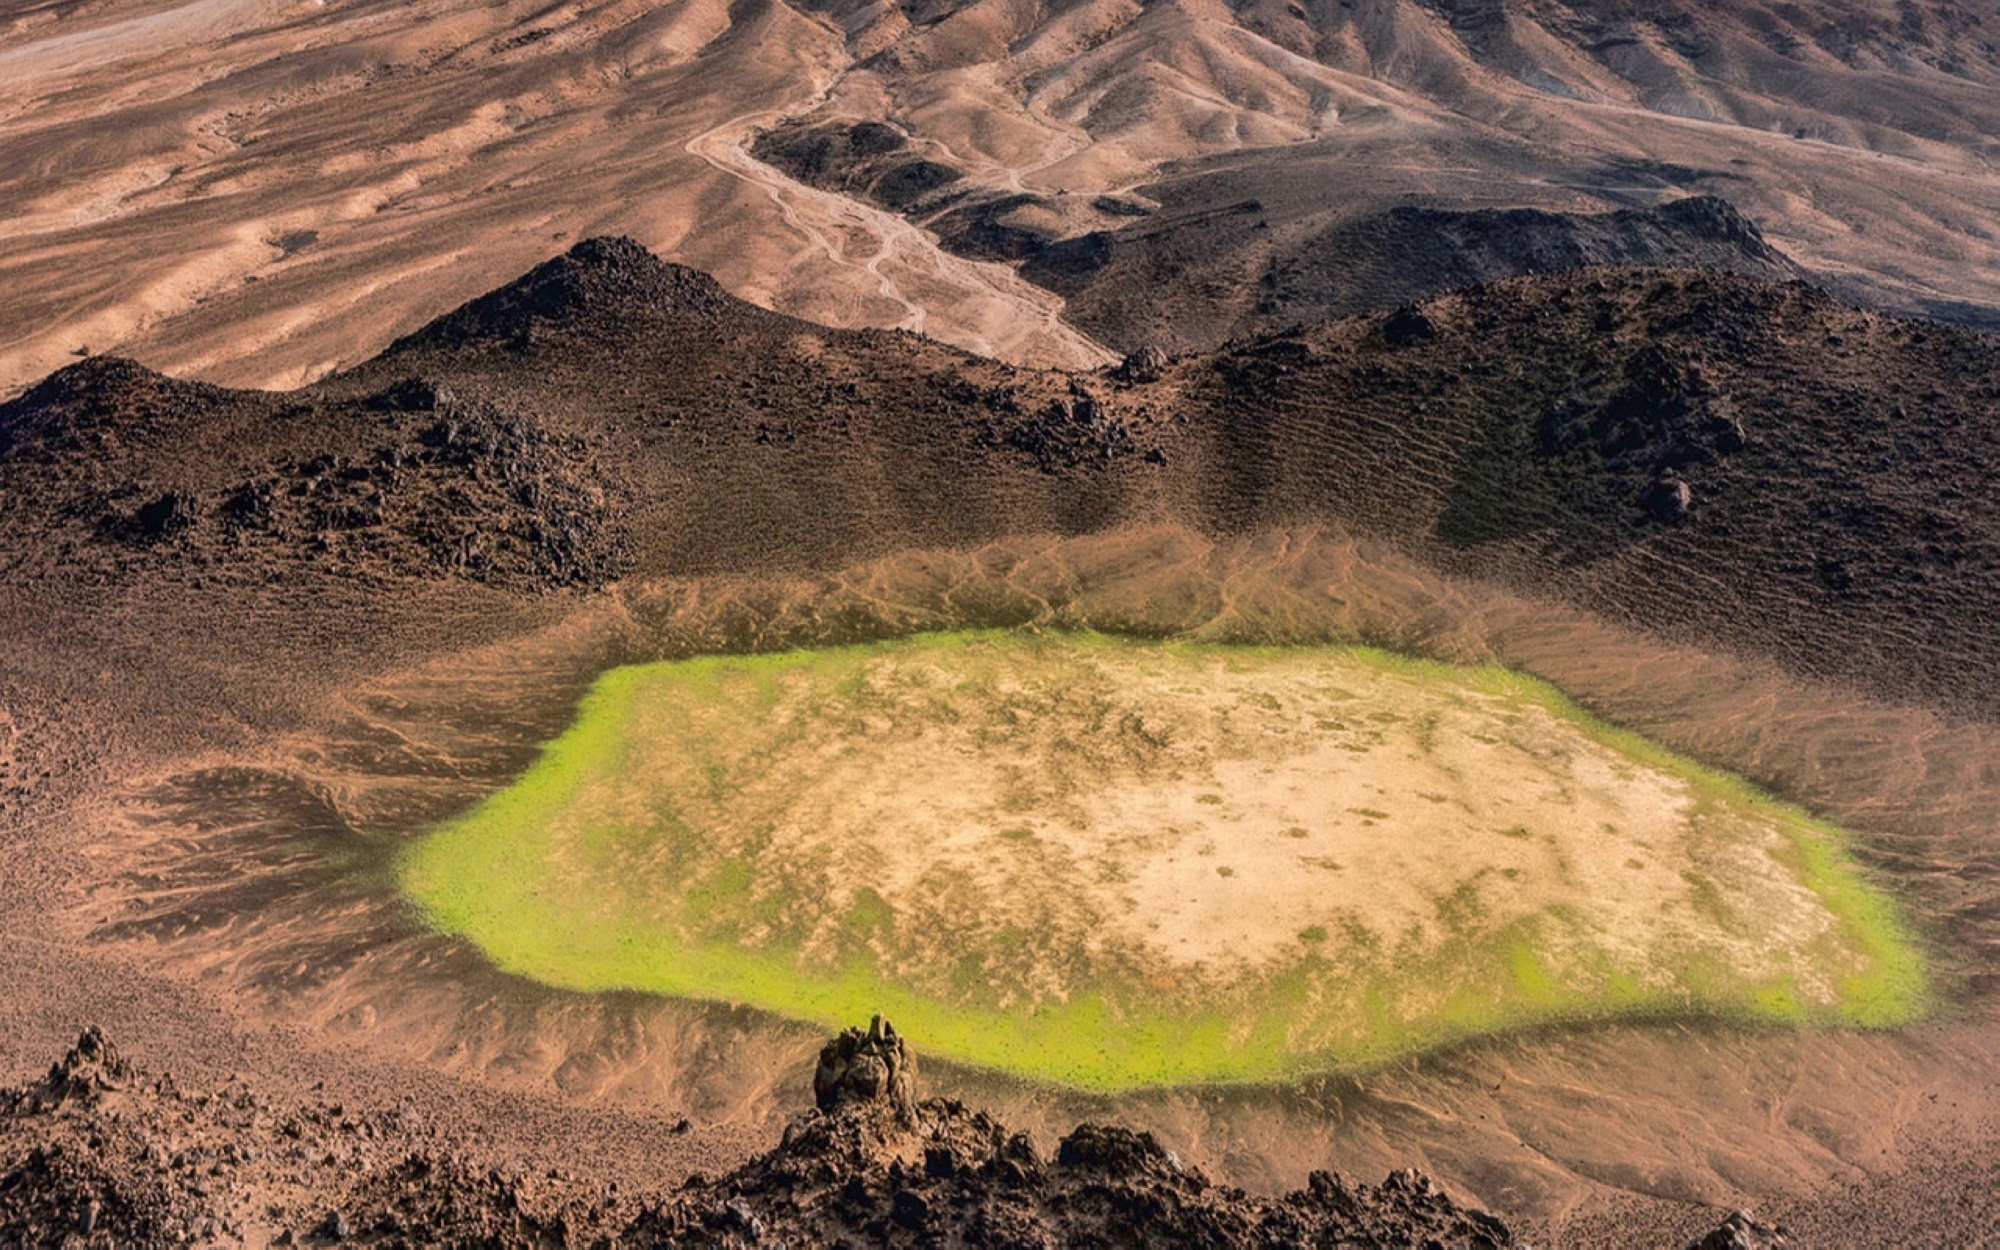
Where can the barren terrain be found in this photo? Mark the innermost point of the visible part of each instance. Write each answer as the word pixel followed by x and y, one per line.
pixel 260 643
pixel 257 192
pixel 1117 865
pixel 1293 587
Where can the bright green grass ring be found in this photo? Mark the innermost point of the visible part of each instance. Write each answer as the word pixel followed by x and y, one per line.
pixel 1112 863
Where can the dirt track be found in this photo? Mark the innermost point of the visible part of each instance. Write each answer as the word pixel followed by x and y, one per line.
pixel 992 310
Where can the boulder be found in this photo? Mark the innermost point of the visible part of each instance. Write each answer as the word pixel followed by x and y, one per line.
pixel 92 1068
pixel 172 513
pixel 871 1067
pixel 1408 326
pixel 1741 1232
pixel 1667 498
pixel 1143 365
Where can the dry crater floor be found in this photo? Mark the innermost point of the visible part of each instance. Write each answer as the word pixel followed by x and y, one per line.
pixel 1114 863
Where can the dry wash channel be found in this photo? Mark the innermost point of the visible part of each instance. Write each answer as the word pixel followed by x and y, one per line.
pixel 1115 863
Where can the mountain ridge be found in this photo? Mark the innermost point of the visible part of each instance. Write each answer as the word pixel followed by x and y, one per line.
pixel 279 211
pixel 1562 433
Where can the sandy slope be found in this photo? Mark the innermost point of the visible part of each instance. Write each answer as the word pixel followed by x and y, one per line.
pixel 256 191
pixel 1861 139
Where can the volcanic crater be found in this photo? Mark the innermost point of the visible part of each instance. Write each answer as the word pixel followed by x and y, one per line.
pixel 746 560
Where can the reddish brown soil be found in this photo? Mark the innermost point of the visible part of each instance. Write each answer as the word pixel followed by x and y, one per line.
pixel 253 640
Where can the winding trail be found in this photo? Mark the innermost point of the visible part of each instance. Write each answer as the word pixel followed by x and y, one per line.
pixel 907 264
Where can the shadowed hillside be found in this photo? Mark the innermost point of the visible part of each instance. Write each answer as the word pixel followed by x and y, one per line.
pixel 1718 459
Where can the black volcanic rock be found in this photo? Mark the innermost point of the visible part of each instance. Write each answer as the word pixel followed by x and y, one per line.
pixel 871 1065
pixel 870 160
pixel 97 403
pixel 1407 325
pixel 1146 364
pixel 1712 219
pixel 875 162
pixel 1072 434
pixel 418 483
pixel 101 1154
pixel 1739 1231
pixel 860 1169
pixel 599 279
pixel 170 514
pixel 629 419
pixel 1242 278
pixel 94 380
pixel 1667 498
pixel 988 228
pixel 415 395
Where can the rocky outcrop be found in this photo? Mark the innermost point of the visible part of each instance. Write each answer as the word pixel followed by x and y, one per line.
pixel 872 1164
pixel 1642 435
pixel 426 484
pixel 91 1069
pixel 98 1154
pixel 1407 326
pixel 101 406
pixel 1742 1232
pixel 459 488
pixel 599 281
pixel 1147 364
pixel 1667 498
pixel 1077 432
pixel 863 1067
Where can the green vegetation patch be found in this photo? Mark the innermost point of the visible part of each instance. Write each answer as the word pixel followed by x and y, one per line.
pixel 1053 855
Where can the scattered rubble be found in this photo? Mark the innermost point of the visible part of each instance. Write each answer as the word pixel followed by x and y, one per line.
pixel 100 1154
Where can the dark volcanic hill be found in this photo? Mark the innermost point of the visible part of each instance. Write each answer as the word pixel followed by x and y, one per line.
pixel 1727 461
pixel 101 1153
pixel 1190 276
pixel 1198 279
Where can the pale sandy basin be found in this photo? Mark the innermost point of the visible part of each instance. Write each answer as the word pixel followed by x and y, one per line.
pixel 1304 855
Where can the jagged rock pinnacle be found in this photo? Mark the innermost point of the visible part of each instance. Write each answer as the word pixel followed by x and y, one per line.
pixel 862 1067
